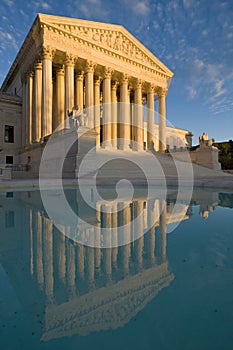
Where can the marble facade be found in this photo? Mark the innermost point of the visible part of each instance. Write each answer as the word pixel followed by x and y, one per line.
pixel 99 67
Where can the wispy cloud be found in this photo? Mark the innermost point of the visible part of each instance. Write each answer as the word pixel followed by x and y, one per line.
pixel 91 9
pixel 192 92
pixel 188 3
pixel 142 8
pixel 7 39
pixel 43 5
pixel 219 89
pixel 9 2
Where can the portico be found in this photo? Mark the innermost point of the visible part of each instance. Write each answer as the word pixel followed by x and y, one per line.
pixel 101 68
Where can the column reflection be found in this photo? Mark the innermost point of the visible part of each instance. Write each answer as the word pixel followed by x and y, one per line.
pixel 82 285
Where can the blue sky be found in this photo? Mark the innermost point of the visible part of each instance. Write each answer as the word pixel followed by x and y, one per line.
pixel 194 38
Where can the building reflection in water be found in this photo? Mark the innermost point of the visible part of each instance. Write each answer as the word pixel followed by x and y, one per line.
pixel 80 289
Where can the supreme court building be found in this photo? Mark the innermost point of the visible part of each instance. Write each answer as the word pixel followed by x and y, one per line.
pixel 99 67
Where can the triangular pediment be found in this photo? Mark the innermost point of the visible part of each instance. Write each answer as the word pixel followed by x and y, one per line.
pixel 109 36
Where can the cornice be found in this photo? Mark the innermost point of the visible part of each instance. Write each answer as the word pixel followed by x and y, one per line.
pixel 8 98
pixel 118 51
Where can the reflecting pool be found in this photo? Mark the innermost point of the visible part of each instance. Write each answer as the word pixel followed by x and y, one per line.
pixel 168 287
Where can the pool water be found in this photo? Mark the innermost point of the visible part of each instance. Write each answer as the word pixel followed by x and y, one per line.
pixel 169 288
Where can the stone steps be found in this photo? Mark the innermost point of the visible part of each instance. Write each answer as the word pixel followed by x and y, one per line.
pixel 115 165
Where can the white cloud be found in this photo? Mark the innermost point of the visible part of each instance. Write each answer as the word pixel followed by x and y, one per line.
pixel 142 7
pixel 187 3
pixel 199 64
pixel 204 32
pixel 93 9
pixel 213 71
pixel 42 4
pixel 192 92
pixel 155 24
pixel 6 39
pixel 218 88
pixel 9 2
pixel 45 6
pixel 139 7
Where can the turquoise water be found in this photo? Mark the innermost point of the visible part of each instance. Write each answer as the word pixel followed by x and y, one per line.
pixel 171 288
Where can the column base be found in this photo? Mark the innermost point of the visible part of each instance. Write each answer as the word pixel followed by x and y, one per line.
pixel 114 144
pixel 138 148
pixel 125 145
pixel 108 145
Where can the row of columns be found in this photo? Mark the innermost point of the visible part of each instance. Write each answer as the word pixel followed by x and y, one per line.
pixel 52 253
pixel 46 102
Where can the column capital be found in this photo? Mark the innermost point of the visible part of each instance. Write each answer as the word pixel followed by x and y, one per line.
pixel 114 85
pixel 89 67
pixel 79 75
pixel 47 52
pixel 138 84
pixel 70 59
pixel 151 89
pixel 107 73
pixel 124 78
pixel 161 91
pixel 60 70
pixel 27 74
pixel 97 80
pixel 38 64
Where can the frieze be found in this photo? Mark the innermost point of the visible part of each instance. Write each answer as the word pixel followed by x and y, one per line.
pixel 103 40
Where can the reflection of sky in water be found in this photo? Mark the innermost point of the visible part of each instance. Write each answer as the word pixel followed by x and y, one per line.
pixel 160 291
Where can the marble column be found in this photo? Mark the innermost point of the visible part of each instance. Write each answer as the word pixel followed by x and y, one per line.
pixel 37 99
pixel 150 118
pixel 114 113
pixel 89 93
pixel 162 119
pixel 61 252
pixel 71 268
pixel 24 109
pixel 97 109
pixel 124 143
pixel 48 255
pixel 139 244
pixel 114 233
pixel 47 91
pixel 98 237
pixel 98 245
pixel 54 108
pixel 39 252
pixel 163 228
pixel 138 116
pixel 90 257
pixel 124 217
pixel 60 92
pixel 29 98
pixel 81 261
pixel 69 82
pixel 107 223
pixel 151 230
pixel 106 121
pixel 31 230
pixel 79 90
